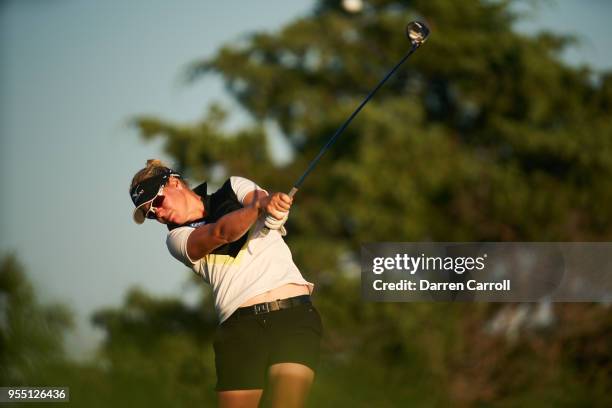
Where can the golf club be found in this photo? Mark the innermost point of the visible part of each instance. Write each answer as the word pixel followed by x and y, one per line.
pixel 417 32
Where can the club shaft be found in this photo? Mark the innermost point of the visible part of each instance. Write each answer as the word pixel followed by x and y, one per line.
pixel 332 140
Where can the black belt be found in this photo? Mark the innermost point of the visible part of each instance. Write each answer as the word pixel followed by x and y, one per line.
pixel 268 307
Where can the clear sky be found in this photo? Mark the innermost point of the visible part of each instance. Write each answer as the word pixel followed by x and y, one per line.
pixel 72 74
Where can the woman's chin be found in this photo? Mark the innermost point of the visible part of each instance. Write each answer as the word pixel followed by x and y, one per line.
pixel 174 218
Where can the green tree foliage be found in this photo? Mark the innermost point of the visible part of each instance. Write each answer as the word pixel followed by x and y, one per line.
pixel 483 135
pixel 31 335
pixel 158 352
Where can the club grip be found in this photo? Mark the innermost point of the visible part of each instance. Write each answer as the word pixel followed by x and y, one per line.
pixel 292 192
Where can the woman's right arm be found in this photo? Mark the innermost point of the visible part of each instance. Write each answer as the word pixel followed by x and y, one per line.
pixel 229 228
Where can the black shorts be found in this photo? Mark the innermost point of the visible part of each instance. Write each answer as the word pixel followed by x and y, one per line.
pixel 245 346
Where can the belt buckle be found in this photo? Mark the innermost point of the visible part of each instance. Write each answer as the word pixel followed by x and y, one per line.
pixel 261 308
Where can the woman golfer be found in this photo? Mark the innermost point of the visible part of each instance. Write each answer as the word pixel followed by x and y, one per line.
pixel 269 333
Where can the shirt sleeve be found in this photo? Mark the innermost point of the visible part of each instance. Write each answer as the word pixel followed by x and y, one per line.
pixel 177 245
pixel 243 186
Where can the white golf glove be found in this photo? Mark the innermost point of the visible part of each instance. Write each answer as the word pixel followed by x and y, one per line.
pixel 274 224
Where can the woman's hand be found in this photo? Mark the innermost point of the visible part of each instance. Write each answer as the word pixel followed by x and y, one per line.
pixel 277 205
pixel 277 210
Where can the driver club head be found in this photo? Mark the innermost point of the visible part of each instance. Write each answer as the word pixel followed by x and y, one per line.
pixel 417 32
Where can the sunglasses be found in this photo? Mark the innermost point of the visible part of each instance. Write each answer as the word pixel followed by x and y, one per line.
pixel 157 202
